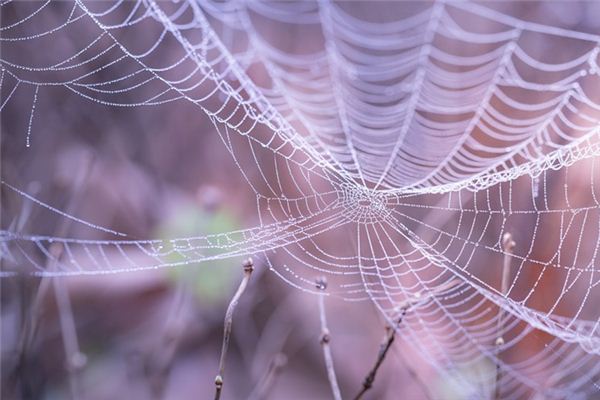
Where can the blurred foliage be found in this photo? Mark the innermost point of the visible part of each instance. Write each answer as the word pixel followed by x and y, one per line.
pixel 211 282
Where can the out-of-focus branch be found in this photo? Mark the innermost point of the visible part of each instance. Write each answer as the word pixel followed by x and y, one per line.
pixel 158 362
pixel 248 268
pixel 271 341
pixel 508 245
pixel 262 388
pixel 325 341
pixel 75 360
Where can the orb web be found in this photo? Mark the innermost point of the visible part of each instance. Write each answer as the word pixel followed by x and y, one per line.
pixel 416 136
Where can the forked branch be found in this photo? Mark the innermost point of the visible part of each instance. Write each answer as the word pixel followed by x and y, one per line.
pixel 386 344
pixel 390 334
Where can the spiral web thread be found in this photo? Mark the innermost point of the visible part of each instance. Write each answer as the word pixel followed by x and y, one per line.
pixel 418 141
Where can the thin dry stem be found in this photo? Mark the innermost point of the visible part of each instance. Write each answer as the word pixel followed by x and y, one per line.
pixel 266 383
pixel 390 334
pixel 508 245
pixel 248 268
pixel 159 362
pixel 271 340
pixel 384 347
pixel 74 358
pixel 325 341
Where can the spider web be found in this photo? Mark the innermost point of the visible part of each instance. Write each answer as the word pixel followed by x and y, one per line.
pixel 416 136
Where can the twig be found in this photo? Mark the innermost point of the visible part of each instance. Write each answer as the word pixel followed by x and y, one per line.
pixel 386 344
pixel 273 337
pixel 248 268
pixel 262 388
pixel 271 340
pixel 75 359
pixel 390 334
pixel 325 341
pixel 158 363
pixel 507 244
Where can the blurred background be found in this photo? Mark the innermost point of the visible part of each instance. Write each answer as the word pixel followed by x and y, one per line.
pixel 163 172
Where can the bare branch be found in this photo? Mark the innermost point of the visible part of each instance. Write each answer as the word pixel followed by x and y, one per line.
pixel 159 360
pixel 508 245
pixel 386 344
pixel 390 334
pixel 75 359
pixel 325 341
pixel 248 268
pixel 262 388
